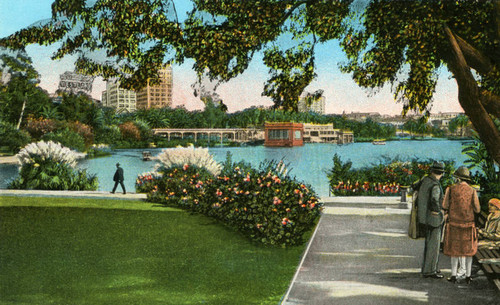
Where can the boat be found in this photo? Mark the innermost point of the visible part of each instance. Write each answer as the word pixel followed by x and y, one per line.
pixel 378 142
pixel 146 155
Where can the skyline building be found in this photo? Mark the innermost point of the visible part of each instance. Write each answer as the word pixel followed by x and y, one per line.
pixel 75 83
pixel 317 106
pixel 119 98
pixel 157 96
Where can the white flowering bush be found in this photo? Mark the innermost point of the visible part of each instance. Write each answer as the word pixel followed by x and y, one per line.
pixel 48 151
pixel 180 156
pixel 51 166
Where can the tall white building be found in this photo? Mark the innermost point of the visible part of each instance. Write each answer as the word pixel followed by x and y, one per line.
pixel 317 106
pixel 119 98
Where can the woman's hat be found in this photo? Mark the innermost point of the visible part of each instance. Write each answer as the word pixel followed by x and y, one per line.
pixel 494 202
pixel 463 173
pixel 437 167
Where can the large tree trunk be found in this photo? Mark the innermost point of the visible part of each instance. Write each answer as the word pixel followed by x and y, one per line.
pixel 470 99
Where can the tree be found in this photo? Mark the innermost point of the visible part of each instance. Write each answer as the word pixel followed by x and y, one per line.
pixel 403 43
pixel 459 122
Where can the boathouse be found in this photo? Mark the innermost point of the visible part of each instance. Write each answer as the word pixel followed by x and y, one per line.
pixel 284 134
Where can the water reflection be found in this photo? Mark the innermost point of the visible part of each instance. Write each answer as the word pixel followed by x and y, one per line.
pixel 308 163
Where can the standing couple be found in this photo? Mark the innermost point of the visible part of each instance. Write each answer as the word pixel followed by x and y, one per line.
pixel 454 210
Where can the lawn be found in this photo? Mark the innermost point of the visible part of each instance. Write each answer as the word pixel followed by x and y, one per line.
pixel 90 251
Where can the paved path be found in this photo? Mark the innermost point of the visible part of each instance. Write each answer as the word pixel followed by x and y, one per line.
pixel 360 254
pixel 73 194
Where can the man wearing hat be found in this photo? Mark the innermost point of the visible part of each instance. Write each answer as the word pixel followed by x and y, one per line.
pixel 460 238
pixel 118 178
pixel 430 218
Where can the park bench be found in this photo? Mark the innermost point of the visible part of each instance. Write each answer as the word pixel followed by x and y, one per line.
pixel 483 256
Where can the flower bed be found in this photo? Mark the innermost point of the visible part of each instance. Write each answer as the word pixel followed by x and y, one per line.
pixel 384 179
pixel 264 204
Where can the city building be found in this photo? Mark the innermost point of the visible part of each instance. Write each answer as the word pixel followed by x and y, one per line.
pixel 362 116
pixel 283 134
pixel 72 82
pixel 157 96
pixel 317 106
pixel 118 98
pixel 325 133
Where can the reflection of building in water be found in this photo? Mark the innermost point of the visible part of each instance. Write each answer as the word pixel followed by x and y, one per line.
pixel 325 133
pixel 317 106
pixel 72 82
pixel 118 98
pixel 157 96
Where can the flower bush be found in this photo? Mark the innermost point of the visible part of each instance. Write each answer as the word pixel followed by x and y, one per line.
pixel 198 157
pixel 129 131
pixel 50 166
pixel 38 127
pixel 85 131
pixel 264 204
pixel 384 179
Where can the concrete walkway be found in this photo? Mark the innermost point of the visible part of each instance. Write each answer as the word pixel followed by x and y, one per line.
pixel 73 194
pixel 360 254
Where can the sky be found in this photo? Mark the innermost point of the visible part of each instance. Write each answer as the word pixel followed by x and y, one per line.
pixel 340 91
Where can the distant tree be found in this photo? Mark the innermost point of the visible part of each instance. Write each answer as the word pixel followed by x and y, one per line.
pixel 459 122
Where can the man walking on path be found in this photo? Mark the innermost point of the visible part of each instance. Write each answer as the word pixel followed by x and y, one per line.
pixel 118 178
pixel 430 217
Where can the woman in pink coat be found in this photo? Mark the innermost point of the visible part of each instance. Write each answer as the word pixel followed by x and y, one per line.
pixel 460 239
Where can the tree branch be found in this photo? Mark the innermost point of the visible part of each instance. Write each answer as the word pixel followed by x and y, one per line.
pixel 475 58
pixel 490 102
pixel 469 98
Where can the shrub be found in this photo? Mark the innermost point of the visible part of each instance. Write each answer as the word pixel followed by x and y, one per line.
pixel 67 138
pixel 98 150
pixel 13 138
pixel 110 134
pixel 198 157
pixel 38 127
pixel 50 166
pixel 129 131
pixel 383 179
pixel 85 131
pixel 265 205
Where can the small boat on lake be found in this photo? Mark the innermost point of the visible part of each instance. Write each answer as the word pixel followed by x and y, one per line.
pixel 378 142
pixel 146 156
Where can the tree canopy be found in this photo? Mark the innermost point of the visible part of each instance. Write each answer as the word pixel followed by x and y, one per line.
pixel 401 43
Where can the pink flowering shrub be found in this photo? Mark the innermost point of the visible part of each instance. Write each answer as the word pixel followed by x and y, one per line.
pixel 384 179
pixel 264 204
pixel 266 207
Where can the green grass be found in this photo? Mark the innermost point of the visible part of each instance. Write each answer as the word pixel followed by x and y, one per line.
pixel 129 252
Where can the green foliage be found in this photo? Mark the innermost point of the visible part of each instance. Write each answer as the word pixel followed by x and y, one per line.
pixel 383 179
pixel 487 176
pixel 12 138
pixel 109 134
pixel 18 91
pixel 50 175
pixel 67 138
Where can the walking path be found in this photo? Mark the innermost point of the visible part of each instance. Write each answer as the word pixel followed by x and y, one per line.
pixel 360 254
pixel 73 194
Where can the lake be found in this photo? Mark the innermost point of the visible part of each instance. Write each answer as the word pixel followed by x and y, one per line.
pixel 308 163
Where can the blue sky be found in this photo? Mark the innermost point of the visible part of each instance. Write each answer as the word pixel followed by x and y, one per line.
pixel 341 93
